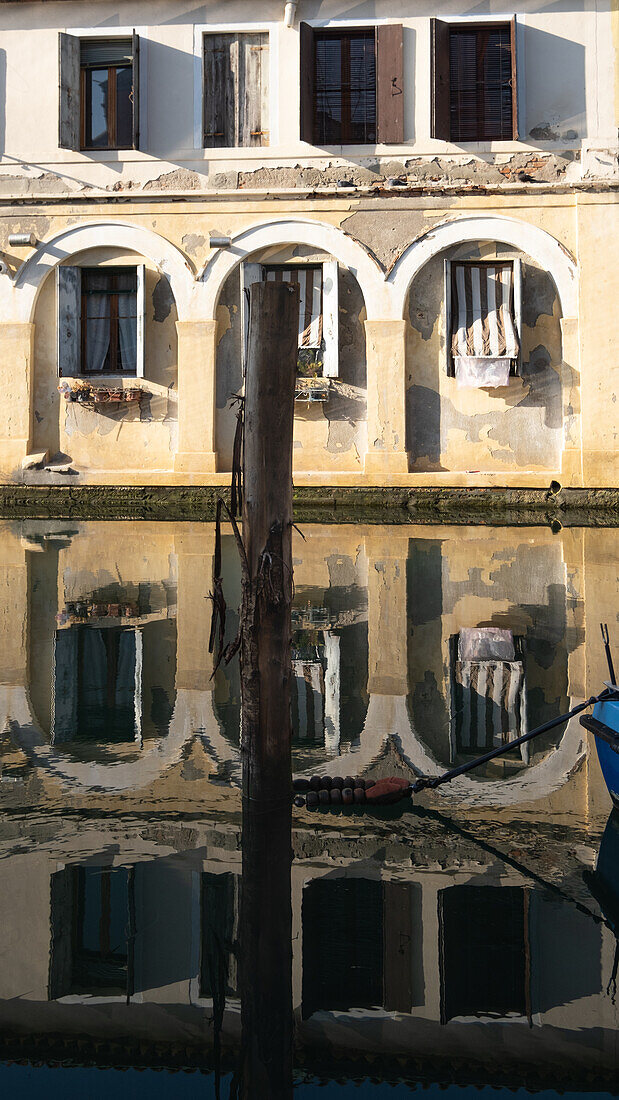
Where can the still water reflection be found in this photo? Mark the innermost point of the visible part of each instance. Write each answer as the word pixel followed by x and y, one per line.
pixel 463 942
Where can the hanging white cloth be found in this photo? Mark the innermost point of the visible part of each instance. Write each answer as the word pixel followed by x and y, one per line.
pixel 97 324
pixel 481 372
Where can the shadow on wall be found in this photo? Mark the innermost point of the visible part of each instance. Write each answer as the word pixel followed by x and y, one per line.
pixel 2 101
pixel 554 76
pixel 517 426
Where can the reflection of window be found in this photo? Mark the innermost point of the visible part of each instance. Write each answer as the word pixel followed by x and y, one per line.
pixel 488 690
pixel 99 83
pixel 219 933
pixel 474 93
pixel 93 927
pixel 484 951
pixel 483 305
pixel 236 90
pixel 109 320
pixel 359 937
pixel 97 684
pixel 315 694
pixel 100 320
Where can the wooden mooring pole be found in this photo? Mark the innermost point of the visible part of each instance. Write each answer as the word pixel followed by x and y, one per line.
pixel 266 914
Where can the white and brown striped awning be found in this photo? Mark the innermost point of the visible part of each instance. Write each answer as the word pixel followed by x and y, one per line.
pixel 309 278
pixel 482 313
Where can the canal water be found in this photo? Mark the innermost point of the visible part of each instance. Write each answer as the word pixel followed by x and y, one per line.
pixel 461 946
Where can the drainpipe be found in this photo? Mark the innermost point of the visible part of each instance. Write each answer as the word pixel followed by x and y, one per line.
pixel 290 10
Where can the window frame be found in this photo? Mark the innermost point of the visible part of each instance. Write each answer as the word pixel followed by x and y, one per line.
pixel 70 87
pixel 515 369
pixel 113 272
pixel 69 343
pixel 440 84
pixel 344 34
pixel 112 119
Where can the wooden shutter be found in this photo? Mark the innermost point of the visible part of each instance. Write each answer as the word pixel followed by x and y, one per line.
pixel 64 699
pixel 398 946
pixel 517 291
pixel 330 319
pixel 307 104
pixel 140 319
pixel 389 84
pixel 61 925
pixel 512 27
pixel 440 79
pixel 250 273
pixel 69 309
pixel 218 91
pixel 69 91
pixel 449 363
pixel 136 90
pixel 252 89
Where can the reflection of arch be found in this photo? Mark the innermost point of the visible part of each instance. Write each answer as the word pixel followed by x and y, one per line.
pixel 166 257
pixel 325 238
pixel 535 242
pixel 388 718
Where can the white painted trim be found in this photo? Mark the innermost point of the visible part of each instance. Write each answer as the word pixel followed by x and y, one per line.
pixel 325 238
pixel 199 31
pixel 140 325
pixel 552 256
pixel 17 301
pixel 330 319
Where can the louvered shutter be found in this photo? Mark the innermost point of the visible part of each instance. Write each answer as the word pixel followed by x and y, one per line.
pixel 439 32
pixel 307 104
pixel 389 84
pixel 69 303
pixel 136 90
pixel 69 91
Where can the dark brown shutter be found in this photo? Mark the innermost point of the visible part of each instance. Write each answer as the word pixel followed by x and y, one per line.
pixel 136 90
pixel 512 27
pixel 69 91
pixel 307 105
pixel 440 79
pixel 389 84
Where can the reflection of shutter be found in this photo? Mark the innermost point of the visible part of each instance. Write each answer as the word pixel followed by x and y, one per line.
pixel 69 305
pixel 440 79
pixel 389 83
pixel 398 946
pixel 141 319
pixel 250 273
pixel 69 91
pixel 136 90
pixel 64 698
pixel 330 319
pixel 307 105
pixel 61 925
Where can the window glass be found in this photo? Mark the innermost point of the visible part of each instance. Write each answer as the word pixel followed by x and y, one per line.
pixel 109 320
pixel 107 94
pixel 345 88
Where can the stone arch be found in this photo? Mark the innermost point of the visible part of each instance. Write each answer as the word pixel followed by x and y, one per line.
pixel 535 242
pixel 19 303
pixel 318 235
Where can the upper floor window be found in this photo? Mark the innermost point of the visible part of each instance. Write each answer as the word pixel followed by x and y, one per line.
pixel 99 101
pixel 236 90
pixel 474 93
pixel 352 90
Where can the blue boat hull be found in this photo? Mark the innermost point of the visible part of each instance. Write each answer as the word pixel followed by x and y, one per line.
pixel 608 713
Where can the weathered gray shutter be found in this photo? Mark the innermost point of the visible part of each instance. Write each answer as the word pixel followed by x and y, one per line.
pixel 449 363
pixel 389 84
pixel 218 91
pixel 440 79
pixel 69 304
pixel 136 90
pixel 250 273
pixel 252 89
pixel 514 78
pixel 330 319
pixel 69 91
pixel 307 104
pixel 61 925
pixel 141 320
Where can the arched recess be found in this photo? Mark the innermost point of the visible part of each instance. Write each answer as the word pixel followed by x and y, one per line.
pixel 535 242
pixel 318 235
pixel 19 298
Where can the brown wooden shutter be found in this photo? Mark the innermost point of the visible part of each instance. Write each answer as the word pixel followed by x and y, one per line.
pixel 69 91
pixel 440 79
pixel 389 84
pixel 512 27
pixel 219 114
pixel 136 91
pixel 307 105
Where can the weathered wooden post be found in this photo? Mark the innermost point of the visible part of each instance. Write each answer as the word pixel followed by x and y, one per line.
pixel 266 915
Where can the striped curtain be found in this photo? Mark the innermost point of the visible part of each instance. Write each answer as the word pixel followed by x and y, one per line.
pixel 483 324
pixel 489 704
pixel 310 303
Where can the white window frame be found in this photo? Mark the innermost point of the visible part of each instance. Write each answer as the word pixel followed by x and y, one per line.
pixel 200 30
pixel 75 343
pixel 253 273
pixel 122 32
pixel 516 263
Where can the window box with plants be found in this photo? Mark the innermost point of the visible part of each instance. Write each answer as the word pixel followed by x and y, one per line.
pixel 84 393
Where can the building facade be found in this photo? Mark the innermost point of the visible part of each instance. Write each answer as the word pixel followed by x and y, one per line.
pixel 442 187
